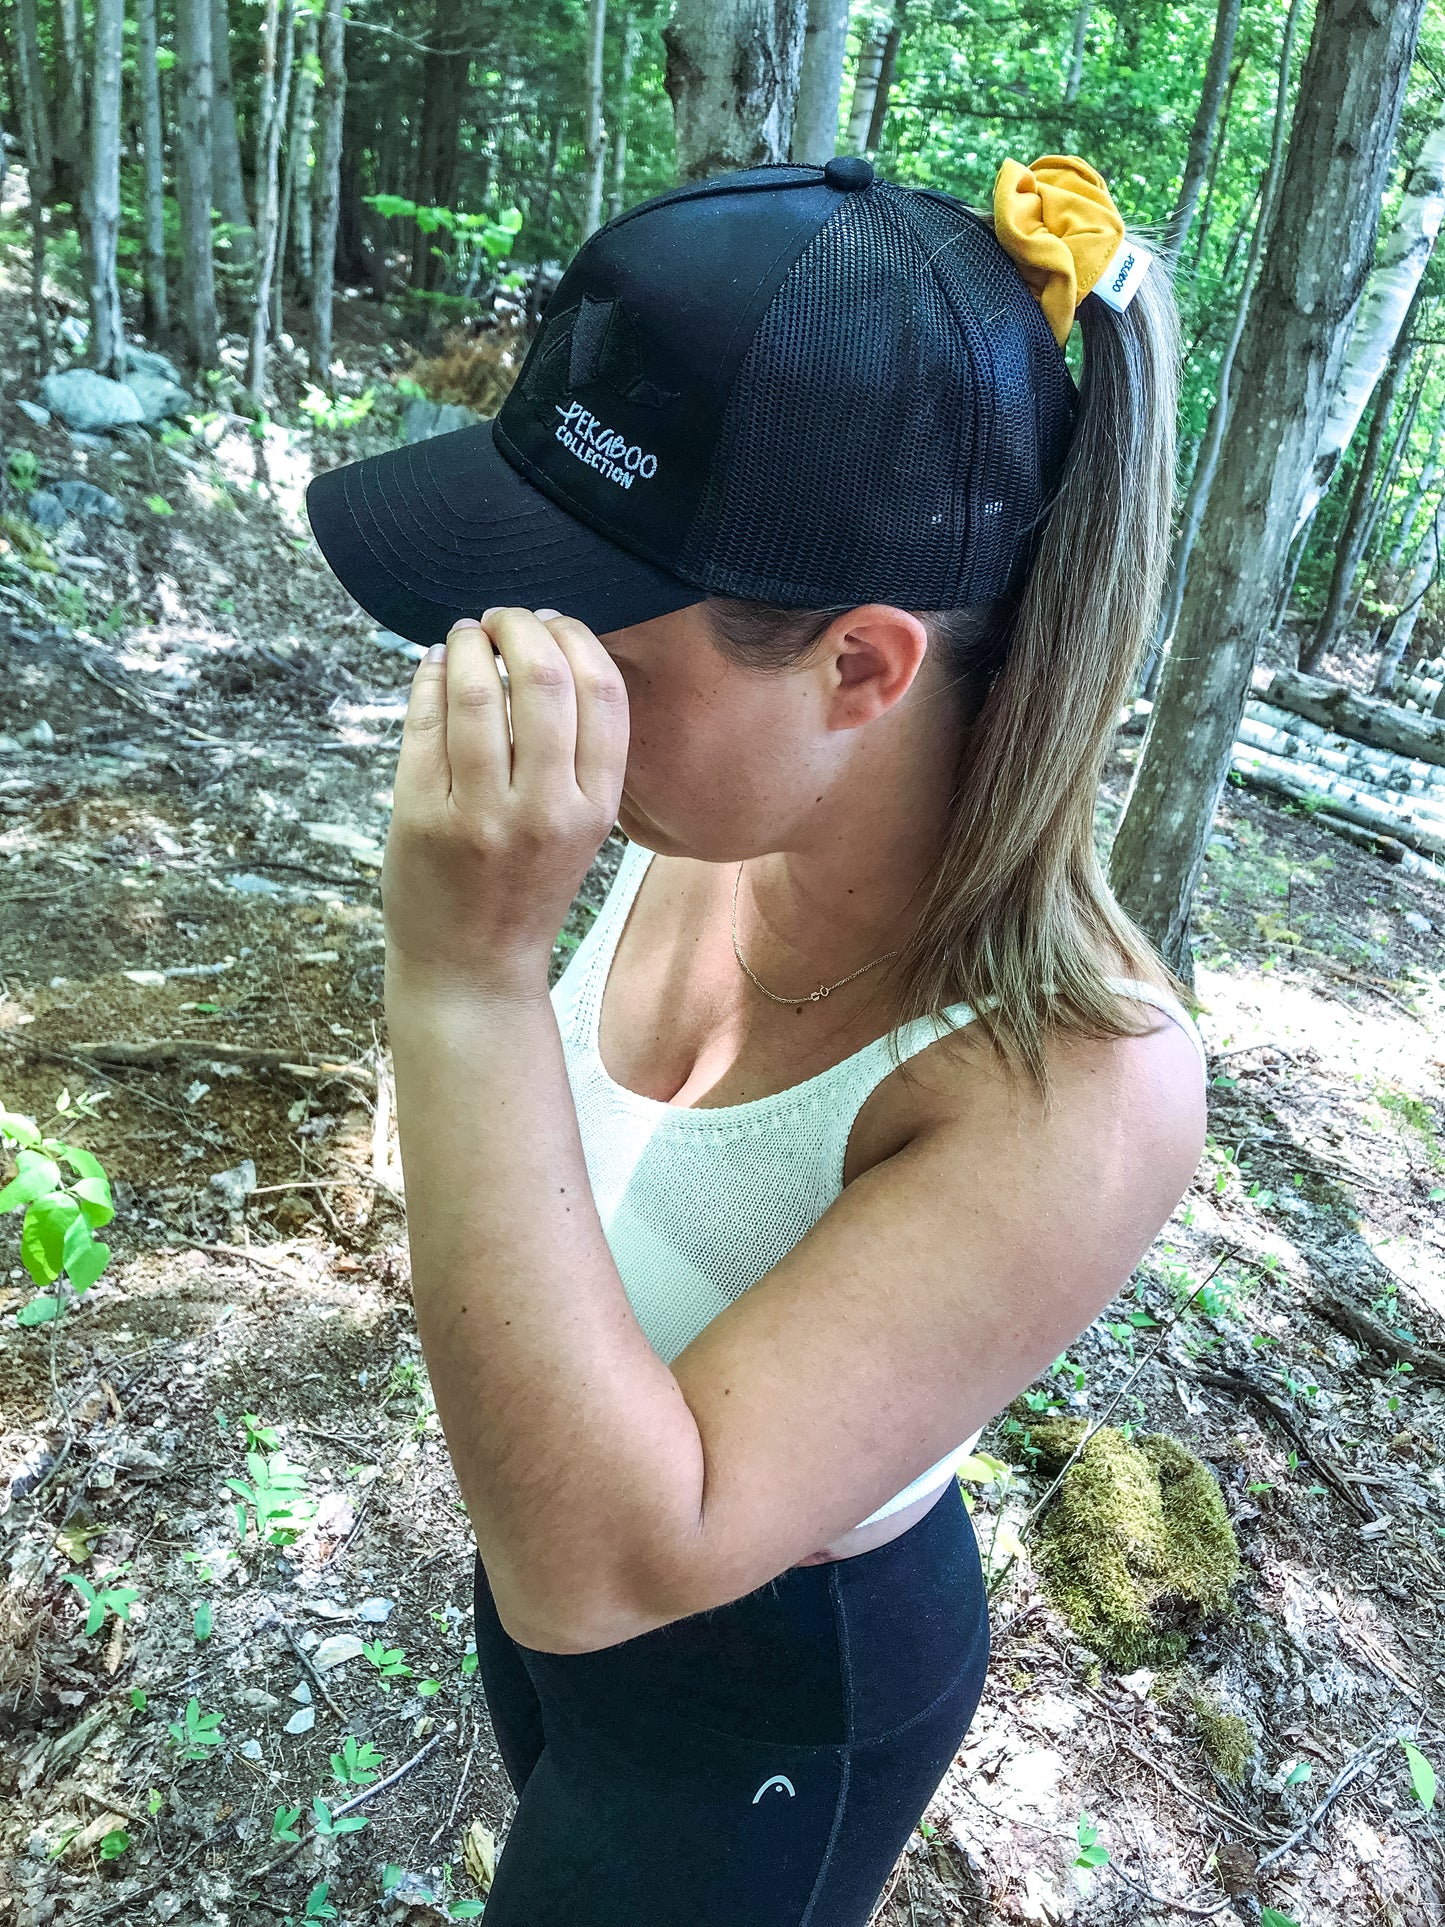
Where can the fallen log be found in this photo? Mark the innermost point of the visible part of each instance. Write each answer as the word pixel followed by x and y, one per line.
pixel 1287 734
pixel 1365 718
pixel 1337 797
pixel 154 1052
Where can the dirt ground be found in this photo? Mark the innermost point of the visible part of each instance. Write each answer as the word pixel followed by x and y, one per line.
pixel 195 757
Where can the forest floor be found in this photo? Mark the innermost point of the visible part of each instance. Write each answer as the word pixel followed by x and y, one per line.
pixel 196 746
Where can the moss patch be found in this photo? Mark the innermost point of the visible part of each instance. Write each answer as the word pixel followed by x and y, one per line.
pixel 1136 1549
pixel 1226 1739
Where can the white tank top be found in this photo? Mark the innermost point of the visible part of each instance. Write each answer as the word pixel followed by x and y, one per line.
pixel 696 1203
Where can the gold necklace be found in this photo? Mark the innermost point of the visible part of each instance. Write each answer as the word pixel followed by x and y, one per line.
pixel 813 996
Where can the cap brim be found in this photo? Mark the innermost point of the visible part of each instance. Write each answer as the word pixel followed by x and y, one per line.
pixel 445 528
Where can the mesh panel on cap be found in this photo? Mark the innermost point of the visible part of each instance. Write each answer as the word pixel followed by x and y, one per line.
pixel 897 425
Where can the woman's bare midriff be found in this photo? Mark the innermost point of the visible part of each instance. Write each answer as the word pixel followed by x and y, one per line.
pixel 675 954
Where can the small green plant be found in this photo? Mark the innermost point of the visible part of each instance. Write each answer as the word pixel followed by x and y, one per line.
pixel 72 604
pixel 328 1826
pixel 202 1623
pixel 259 1437
pixel 388 1661
pixel 283 1824
pixel 24 470
pixel 1422 1776
pixel 114 1844
pixel 276 1496
pixel 343 412
pixel 115 1599
pixel 1090 1853
pixel 194 1731
pixel 158 505
pixel 356 1765
pixel 56 1236
pixel 318 1907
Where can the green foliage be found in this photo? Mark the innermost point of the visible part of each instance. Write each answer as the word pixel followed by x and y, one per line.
pixel 356 1764
pixel 61 1214
pixel 24 469
pixel 195 1731
pixel 116 1599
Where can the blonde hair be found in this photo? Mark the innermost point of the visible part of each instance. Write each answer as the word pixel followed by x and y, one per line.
pixel 1018 920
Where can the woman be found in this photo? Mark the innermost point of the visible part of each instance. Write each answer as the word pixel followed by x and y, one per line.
pixel 861 1098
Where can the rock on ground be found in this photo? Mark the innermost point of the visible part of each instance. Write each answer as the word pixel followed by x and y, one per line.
pixel 420 420
pixel 87 401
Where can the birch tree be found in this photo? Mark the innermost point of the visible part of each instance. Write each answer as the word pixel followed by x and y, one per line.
pixel 1415 501
pixel 1402 629
pixel 277 45
pixel 107 332
pixel 193 182
pixel 732 76
pixel 865 87
pixel 156 311
pixel 1403 261
pixel 328 187
pixel 1074 79
pixel 631 47
pixel 298 148
pixel 1202 136
pixel 820 83
pixel 596 132
pixel 1317 261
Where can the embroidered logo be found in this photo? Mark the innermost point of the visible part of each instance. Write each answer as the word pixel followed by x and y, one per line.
pixel 783 1784
pixel 602 448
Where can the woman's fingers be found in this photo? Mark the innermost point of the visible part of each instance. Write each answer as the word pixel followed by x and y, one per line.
pixel 544 708
pixel 479 747
pixel 603 718
pixel 421 763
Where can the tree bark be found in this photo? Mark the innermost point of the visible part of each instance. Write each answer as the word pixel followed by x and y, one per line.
pixel 156 312
pixel 596 131
pixel 820 84
pixel 1350 543
pixel 277 45
pixel 107 331
pixel 39 179
pixel 1206 214
pixel 732 76
pixel 1074 79
pixel 228 186
pixel 193 182
pixel 68 155
pixel 1402 629
pixel 1403 260
pixel 1317 261
pixel 886 71
pixel 298 150
pixel 631 48
pixel 865 87
pixel 1206 122
pixel 444 80
pixel 328 196
pixel 1411 512
pixel 1332 706
pixel 1206 464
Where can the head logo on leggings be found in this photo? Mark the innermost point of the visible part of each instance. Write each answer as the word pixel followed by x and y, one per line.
pixel 781 1782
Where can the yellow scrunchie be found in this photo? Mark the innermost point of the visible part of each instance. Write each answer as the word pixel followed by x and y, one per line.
pixel 1059 222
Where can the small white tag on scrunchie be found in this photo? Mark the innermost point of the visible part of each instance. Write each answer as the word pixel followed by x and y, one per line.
pixel 1119 283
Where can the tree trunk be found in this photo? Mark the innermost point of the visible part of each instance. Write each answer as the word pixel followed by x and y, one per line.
pixel 1206 121
pixel 542 204
pixel 865 87
pixel 596 134
pixel 1074 79
pixel 277 43
pixel 631 48
pixel 1411 514
pixel 444 80
pixel 1317 261
pixel 228 187
pixel 1403 261
pixel 820 85
pixel 156 311
pixel 885 78
pixel 328 196
pixel 1207 463
pixel 1207 212
pixel 298 149
pixel 107 331
pixel 1350 543
pixel 68 155
pixel 732 77
pixel 193 182
pixel 1402 629
pixel 39 180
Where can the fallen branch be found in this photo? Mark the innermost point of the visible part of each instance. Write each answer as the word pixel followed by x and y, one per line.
pixel 1367 1330
pixel 1245 1387
pixel 154 1052
pixel 367 1793
pixel 1365 718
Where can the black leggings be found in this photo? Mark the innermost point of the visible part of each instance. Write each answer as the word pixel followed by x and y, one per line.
pixel 759 1765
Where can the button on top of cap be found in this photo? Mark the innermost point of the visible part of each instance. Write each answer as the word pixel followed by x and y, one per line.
pixel 848 171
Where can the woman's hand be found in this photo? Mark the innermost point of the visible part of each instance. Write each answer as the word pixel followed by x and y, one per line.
pixel 492 831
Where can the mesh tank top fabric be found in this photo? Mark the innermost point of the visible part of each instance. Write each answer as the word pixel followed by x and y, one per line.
pixel 698 1204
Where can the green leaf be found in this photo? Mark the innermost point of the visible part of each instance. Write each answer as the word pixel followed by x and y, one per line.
pixel 1272 1917
pixel 1422 1776
pixel 203 1620
pixel 39 1311
pixel 35 1175
pixel 158 505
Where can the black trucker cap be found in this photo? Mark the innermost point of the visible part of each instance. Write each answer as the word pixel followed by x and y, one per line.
pixel 800 385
